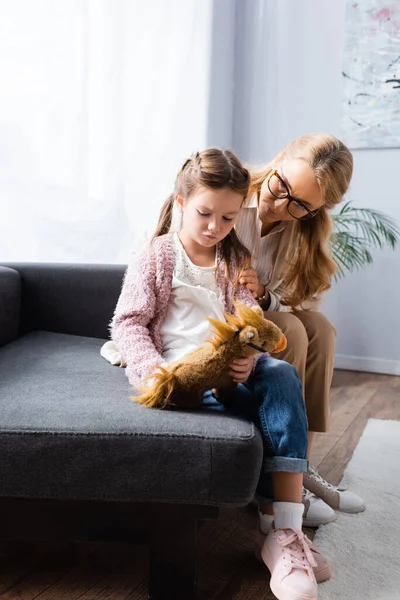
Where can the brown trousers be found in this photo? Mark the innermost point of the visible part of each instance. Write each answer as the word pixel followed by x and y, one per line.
pixel 311 349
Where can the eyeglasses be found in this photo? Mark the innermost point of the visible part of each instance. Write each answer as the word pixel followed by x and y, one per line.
pixel 296 208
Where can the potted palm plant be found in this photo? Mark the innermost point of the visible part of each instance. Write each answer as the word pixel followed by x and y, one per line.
pixel 356 232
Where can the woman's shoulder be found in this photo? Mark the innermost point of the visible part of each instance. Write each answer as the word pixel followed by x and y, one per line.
pixel 287 231
pixel 278 236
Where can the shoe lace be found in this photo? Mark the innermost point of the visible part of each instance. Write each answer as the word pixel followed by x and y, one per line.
pixel 316 477
pixel 297 549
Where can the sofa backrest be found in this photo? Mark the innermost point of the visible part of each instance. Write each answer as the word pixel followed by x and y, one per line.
pixel 10 304
pixel 78 299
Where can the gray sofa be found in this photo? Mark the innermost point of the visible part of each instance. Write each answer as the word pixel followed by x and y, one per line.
pixel 80 460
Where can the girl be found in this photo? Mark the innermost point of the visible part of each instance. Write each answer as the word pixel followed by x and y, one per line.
pixel 182 277
pixel 287 226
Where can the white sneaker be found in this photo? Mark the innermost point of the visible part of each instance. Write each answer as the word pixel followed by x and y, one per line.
pixel 316 511
pixel 337 498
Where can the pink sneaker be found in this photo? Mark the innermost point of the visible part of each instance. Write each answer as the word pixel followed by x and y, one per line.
pixel 322 569
pixel 287 554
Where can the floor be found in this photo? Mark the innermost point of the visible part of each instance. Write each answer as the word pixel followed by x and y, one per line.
pixel 228 570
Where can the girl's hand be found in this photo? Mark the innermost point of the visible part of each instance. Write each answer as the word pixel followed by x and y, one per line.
pixel 240 369
pixel 249 278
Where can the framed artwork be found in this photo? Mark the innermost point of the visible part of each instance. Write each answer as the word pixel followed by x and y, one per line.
pixel 370 115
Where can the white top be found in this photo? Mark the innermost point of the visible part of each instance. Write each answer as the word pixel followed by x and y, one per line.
pixel 268 252
pixel 194 297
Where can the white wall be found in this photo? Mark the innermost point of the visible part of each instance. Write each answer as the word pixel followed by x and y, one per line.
pixel 291 85
pixel 365 305
pixel 289 68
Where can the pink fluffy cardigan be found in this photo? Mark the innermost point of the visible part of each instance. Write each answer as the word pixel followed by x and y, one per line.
pixel 143 303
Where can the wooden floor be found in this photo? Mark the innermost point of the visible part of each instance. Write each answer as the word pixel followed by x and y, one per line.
pixel 228 570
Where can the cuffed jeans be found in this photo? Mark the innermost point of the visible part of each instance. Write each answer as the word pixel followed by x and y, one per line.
pixel 272 399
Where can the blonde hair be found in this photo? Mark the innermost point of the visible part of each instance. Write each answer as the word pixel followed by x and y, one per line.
pixel 309 265
pixel 214 169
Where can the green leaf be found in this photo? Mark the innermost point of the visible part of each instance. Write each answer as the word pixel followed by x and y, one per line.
pixel 356 232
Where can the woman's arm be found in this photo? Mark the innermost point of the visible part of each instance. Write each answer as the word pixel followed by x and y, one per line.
pixel 135 310
pixel 269 299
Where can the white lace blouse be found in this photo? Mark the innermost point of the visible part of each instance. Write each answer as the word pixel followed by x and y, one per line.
pixel 194 297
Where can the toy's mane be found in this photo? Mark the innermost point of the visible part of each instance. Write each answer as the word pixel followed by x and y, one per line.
pixel 226 332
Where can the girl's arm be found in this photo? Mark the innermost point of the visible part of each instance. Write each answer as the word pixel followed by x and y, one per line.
pixel 135 310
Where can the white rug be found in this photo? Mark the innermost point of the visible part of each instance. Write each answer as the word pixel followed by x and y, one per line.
pixel 364 549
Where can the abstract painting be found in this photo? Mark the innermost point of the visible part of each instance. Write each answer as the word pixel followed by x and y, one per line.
pixel 370 116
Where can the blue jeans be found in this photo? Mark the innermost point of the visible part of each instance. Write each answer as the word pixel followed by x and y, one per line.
pixel 272 399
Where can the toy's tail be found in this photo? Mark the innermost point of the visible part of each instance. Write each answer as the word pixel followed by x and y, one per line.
pixel 158 394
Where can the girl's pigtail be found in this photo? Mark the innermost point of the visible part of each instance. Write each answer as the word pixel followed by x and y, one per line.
pixel 165 218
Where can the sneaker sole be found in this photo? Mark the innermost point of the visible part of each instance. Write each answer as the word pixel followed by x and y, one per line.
pixel 318 522
pixel 265 556
pixel 351 511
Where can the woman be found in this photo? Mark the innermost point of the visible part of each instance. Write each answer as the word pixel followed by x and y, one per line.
pixel 286 225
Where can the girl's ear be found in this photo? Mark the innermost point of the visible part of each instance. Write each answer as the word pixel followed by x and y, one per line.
pixel 180 202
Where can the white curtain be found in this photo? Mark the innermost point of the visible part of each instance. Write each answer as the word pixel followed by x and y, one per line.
pixel 101 102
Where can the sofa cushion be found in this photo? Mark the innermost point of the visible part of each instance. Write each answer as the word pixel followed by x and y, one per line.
pixel 69 430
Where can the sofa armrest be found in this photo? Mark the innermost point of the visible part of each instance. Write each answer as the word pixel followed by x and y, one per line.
pixel 10 304
pixel 77 299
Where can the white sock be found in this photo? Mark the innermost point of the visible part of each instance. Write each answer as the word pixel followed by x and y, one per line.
pixel 288 514
pixel 266 521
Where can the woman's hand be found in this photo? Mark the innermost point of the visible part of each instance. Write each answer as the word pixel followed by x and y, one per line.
pixel 249 278
pixel 240 369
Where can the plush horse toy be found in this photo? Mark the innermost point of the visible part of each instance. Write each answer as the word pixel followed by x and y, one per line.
pixel 183 382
